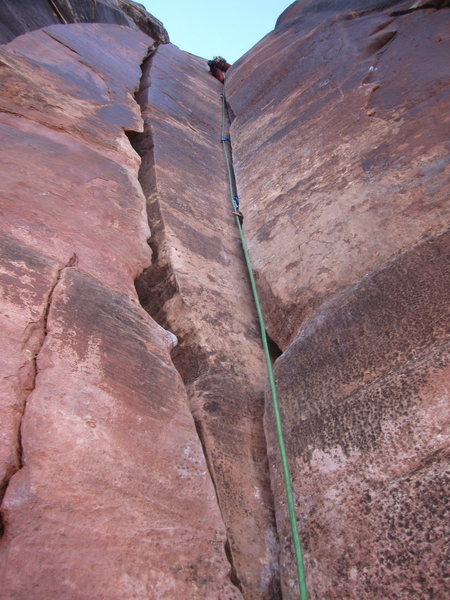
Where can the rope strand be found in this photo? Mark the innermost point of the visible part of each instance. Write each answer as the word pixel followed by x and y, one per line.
pixel 279 428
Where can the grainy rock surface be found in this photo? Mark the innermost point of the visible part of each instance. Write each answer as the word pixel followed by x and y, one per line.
pixel 202 295
pixel 341 152
pixel 114 498
pixel 105 490
pixel 134 468
pixel 146 22
pixel 19 16
pixel 356 129
pixel 364 390
pixel 67 95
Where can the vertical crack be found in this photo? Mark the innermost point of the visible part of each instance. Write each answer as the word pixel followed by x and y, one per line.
pixel 57 12
pixel 36 334
pixel 234 578
pixel 158 284
pixel 274 350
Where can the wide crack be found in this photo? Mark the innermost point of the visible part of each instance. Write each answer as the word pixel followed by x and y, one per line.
pixel 33 344
pixel 158 283
pixel 160 295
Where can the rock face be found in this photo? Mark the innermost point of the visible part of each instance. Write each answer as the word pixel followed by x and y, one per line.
pixel 135 466
pixel 341 152
pixel 203 296
pixel 145 22
pixel 17 18
pixel 105 489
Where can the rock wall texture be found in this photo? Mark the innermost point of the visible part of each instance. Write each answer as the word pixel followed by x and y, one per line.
pixel 197 287
pixel 18 17
pixel 105 492
pixel 134 465
pixel 341 152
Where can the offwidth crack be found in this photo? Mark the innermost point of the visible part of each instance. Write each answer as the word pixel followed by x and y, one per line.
pixel 158 282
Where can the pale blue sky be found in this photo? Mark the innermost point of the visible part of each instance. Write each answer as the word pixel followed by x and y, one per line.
pixel 227 28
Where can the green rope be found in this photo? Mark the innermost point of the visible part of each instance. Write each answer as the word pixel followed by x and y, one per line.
pixel 286 473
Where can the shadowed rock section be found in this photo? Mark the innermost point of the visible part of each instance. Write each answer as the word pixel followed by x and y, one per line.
pixel 18 17
pixel 340 143
pixel 105 491
pixel 197 287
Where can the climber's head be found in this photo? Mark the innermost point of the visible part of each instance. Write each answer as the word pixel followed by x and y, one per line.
pixel 220 61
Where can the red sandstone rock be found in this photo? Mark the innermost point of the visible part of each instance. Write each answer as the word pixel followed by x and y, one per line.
pixel 26 279
pixel 364 392
pixel 70 174
pixel 353 119
pixel 145 21
pixel 112 498
pixel 20 17
pixel 341 151
pixel 340 146
pixel 202 294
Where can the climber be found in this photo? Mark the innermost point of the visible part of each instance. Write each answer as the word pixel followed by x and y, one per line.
pixel 217 67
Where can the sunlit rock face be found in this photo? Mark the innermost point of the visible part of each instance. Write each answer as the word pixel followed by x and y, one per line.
pixel 341 153
pixel 104 486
